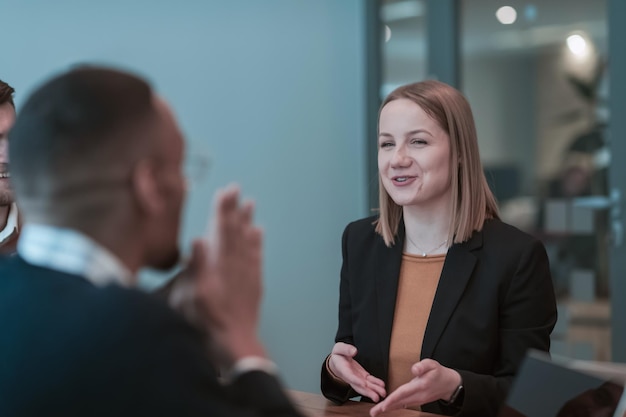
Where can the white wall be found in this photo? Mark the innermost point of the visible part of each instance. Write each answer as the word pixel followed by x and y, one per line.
pixel 273 90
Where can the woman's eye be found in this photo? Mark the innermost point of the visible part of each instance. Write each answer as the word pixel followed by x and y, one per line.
pixel 386 144
pixel 418 141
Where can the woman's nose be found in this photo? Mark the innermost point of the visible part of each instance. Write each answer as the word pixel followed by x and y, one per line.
pixel 400 157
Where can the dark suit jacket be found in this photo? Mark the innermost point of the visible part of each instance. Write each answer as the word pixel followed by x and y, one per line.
pixel 68 348
pixel 495 300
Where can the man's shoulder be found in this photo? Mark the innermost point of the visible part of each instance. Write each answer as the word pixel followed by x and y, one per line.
pixel 139 308
pixel 20 275
pixel 31 288
pixel 68 330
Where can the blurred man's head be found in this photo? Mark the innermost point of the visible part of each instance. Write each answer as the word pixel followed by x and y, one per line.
pixel 96 150
pixel 7 117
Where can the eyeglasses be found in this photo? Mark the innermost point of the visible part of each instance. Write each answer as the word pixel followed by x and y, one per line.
pixel 196 166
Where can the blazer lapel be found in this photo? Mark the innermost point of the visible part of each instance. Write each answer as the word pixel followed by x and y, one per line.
pixel 387 274
pixel 457 270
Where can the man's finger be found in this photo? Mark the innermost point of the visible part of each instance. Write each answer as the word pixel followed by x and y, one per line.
pixel 247 211
pixel 199 254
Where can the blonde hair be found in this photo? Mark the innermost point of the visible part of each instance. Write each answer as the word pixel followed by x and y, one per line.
pixel 472 201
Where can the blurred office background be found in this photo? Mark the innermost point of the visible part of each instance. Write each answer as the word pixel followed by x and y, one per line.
pixel 538 77
pixel 282 97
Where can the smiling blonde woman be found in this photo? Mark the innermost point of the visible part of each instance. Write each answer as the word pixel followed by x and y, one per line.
pixel 439 299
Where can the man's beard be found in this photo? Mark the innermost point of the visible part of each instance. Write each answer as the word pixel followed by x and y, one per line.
pixel 6 197
pixel 6 193
pixel 168 261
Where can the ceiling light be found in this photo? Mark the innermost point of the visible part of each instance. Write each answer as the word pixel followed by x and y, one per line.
pixel 506 15
pixel 577 44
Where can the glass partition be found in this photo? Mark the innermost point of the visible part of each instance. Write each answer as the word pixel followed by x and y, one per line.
pixel 404 47
pixel 535 75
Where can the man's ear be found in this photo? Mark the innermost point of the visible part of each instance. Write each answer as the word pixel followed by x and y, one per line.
pixel 145 187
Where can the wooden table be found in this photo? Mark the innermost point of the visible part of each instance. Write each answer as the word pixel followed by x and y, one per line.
pixel 315 405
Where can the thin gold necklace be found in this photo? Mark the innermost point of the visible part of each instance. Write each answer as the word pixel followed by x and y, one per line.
pixel 424 252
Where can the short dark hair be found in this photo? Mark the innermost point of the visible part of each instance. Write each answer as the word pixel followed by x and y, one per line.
pixel 75 126
pixel 6 93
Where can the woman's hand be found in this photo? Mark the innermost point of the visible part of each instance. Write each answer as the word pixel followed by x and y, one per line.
pixel 432 381
pixel 343 366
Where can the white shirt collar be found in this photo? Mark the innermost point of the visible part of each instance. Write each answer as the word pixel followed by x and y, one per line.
pixel 72 252
pixel 12 225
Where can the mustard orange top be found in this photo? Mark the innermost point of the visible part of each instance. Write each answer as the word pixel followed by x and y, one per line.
pixel 417 284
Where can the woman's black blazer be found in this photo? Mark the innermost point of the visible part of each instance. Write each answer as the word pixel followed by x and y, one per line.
pixel 494 301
